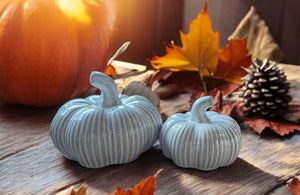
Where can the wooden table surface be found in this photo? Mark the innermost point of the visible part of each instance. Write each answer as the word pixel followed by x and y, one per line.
pixel 30 164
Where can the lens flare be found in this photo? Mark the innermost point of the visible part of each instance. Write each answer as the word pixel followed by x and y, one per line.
pixel 74 9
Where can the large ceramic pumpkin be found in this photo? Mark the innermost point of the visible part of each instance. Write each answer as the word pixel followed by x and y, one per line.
pixel 48 48
pixel 108 129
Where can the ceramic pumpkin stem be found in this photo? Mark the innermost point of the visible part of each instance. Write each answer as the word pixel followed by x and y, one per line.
pixel 109 91
pixel 199 109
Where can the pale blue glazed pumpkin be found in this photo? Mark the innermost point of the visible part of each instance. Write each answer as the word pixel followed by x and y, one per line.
pixel 200 139
pixel 106 129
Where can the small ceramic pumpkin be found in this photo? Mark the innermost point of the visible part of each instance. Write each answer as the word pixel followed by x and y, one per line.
pixel 106 129
pixel 50 47
pixel 200 139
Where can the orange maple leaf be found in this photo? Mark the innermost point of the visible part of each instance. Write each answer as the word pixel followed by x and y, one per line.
pixel 231 59
pixel 111 71
pixel 145 187
pixel 294 186
pixel 200 49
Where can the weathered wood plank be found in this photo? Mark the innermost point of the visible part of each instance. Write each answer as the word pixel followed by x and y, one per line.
pixel 281 191
pixel 37 170
pixel 263 163
pixel 22 127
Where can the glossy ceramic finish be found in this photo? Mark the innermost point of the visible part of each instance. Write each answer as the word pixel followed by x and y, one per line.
pixel 200 139
pixel 106 129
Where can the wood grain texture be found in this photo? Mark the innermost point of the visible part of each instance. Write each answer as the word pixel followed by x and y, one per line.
pixel 22 127
pixel 30 164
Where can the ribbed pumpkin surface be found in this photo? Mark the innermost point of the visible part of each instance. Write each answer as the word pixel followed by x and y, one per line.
pixel 204 146
pixel 97 137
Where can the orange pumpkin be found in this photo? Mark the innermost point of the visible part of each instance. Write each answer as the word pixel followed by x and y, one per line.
pixel 48 48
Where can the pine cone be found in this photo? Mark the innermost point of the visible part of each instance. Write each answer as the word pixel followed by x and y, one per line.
pixel 265 90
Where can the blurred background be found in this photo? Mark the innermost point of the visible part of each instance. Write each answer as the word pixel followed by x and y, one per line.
pixel 151 24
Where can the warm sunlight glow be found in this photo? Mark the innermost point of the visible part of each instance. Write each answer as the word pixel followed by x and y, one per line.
pixel 74 9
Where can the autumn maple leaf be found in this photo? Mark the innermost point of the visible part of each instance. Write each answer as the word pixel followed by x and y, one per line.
pixel 200 49
pixel 111 71
pixel 231 59
pixel 145 187
pixel 279 126
pixel 294 185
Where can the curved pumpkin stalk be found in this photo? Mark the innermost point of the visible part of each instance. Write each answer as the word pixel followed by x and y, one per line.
pixel 109 92
pixel 199 109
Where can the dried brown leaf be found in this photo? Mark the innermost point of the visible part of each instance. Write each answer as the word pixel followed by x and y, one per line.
pixel 222 106
pixel 260 41
pixel 228 88
pixel 280 127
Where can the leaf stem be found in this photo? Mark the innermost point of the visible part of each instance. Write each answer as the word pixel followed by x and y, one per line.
pixel 202 79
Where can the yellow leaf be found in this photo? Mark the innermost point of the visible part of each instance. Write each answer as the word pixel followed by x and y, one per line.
pixel 200 48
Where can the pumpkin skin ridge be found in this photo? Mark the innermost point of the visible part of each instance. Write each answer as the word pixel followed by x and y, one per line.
pixel 149 118
pixel 66 114
pixel 134 116
pixel 70 146
pixel 75 134
pixel 221 145
pixel 128 143
pixel 152 115
pixel 92 105
pixel 11 94
pixel 58 119
pixel 22 36
pixel 180 119
pixel 233 136
pixel 4 28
